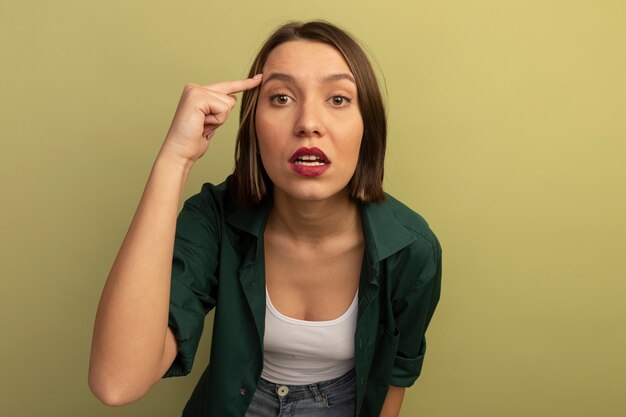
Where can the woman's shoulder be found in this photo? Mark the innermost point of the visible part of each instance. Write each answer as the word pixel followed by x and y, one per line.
pixel 212 197
pixel 423 250
pixel 220 206
pixel 410 219
pixel 398 232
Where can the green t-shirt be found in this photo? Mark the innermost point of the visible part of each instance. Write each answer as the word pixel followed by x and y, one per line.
pixel 218 263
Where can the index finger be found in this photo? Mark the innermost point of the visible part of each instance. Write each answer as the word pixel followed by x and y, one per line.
pixel 236 86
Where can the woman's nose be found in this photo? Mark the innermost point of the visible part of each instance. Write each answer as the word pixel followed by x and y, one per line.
pixel 309 121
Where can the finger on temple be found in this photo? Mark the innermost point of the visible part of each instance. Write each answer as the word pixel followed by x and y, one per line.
pixel 237 86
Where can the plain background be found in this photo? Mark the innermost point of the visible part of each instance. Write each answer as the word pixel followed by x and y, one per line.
pixel 507 132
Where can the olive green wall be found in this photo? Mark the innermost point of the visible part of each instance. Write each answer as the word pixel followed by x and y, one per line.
pixel 507 133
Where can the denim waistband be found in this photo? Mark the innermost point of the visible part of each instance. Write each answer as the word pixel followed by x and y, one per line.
pixel 303 391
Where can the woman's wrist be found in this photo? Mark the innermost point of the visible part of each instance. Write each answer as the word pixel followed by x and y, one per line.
pixel 174 162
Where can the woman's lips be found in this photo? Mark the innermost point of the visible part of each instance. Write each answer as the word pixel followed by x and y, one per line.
pixel 309 162
pixel 308 152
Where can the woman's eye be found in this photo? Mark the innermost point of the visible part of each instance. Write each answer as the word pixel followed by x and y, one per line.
pixel 280 98
pixel 340 100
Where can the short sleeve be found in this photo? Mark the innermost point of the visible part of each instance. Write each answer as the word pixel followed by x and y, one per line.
pixel 193 280
pixel 413 314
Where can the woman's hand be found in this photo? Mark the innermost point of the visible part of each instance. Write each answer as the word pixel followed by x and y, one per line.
pixel 201 110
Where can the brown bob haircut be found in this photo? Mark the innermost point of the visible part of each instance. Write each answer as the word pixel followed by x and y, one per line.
pixel 251 183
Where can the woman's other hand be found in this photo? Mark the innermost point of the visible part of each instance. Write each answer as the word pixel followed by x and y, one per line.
pixel 201 110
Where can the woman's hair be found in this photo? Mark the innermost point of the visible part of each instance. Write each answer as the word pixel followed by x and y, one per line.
pixel 250 181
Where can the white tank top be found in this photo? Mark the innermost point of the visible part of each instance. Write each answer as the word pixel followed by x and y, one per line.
pixel 300 352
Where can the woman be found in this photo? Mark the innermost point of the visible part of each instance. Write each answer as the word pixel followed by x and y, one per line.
pixel 323 285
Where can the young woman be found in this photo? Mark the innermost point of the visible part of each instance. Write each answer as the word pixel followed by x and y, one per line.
pixel 323 286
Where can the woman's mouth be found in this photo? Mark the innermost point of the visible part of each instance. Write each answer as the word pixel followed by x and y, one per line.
pixel 309 162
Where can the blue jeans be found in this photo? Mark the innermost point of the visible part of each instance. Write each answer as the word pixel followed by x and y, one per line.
pixel 334 398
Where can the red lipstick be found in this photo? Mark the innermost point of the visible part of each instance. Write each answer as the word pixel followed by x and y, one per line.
pixel 309 162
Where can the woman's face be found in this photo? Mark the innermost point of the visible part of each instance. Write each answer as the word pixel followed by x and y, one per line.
pixel 308 121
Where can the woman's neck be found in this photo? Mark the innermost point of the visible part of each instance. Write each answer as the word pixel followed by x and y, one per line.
pixel 314 221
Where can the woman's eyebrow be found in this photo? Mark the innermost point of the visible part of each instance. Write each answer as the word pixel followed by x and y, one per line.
pixel 340 76
pixel 290 79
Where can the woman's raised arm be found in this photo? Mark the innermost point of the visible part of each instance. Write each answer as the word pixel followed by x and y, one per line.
pixel 132 345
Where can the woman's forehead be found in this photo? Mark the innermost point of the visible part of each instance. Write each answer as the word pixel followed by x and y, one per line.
pixel 302 57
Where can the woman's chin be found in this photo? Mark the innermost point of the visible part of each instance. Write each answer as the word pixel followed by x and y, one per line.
pixel 311 193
